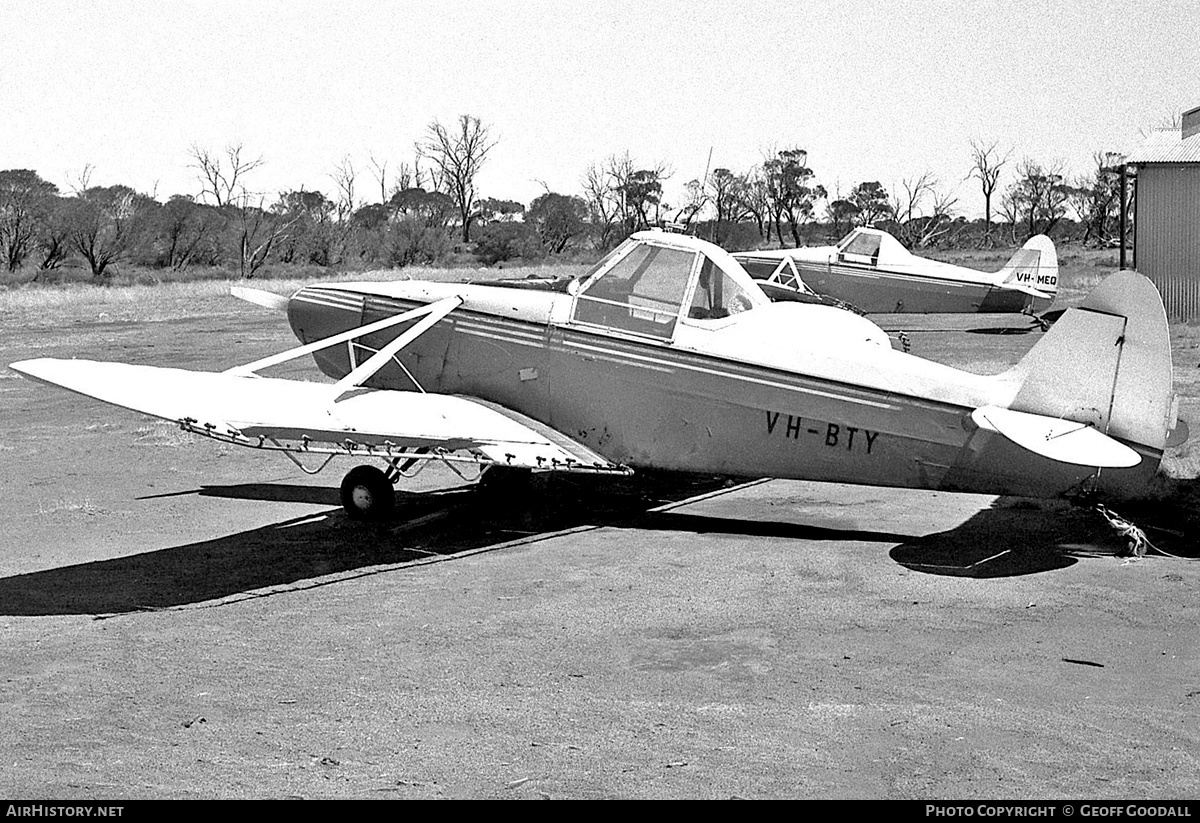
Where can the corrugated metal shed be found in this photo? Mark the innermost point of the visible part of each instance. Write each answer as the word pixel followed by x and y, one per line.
pixel 1166 147
pixel 1167 217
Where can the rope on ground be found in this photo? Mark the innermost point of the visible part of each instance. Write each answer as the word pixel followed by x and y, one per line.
pixel 1138 543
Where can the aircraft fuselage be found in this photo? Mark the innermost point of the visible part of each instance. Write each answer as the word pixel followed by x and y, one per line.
pixel 650 404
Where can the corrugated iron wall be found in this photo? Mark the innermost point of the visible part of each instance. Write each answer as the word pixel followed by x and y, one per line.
pixel 1168 234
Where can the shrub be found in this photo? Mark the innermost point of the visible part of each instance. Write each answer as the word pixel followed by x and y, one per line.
pixel 499 242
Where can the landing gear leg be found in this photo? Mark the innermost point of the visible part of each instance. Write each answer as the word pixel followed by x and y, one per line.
pixel 367 494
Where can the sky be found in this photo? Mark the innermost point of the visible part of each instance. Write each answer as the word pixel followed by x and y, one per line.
pixel 873 91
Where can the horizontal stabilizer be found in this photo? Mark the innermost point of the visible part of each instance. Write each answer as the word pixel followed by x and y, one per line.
pixel 258 297
pixel 1066 441
pixel 252 411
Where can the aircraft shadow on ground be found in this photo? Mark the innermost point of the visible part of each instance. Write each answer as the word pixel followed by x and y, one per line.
pixel 1003 330
pixel 1000 541
pixel 1012 537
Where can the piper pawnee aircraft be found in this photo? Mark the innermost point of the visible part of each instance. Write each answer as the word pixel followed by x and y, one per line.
pixel 871 271
pixel 667 355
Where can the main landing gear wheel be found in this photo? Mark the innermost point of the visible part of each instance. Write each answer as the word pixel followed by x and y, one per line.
pixel 367 494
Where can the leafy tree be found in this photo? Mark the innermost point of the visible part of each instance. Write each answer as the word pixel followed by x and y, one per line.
pixel 431 208
pixel 25 199
pixel 727 193
pixel 642 190
pixel 1036 201
pixel 457 157
pixel 187 232
pixel 791 191
pixel 557 218
pixel 842 215
pixel 491 209
pixel 872 201
pixel 311 236
pixel 54 233
pixel 105 225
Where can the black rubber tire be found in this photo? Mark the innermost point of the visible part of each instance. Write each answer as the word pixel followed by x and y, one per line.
pixel 367 494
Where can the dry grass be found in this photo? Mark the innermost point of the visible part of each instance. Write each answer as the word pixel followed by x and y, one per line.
pixel 84 302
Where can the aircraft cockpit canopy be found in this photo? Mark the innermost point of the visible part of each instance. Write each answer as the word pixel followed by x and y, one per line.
pixel 653 281
pixel 871 247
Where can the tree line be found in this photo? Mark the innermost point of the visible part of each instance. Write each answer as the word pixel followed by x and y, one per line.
pixel 431 210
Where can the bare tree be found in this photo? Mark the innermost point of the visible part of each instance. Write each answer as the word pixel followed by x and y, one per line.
pixel 1096 199
pixel 258 232
pixel 344 176
pixel 755 199
pixel 457 157
pixel 81 182
pixel 924 213
pixel 619 196
pixel 1171 120
pixel 695 199
pixel 988 163
pixel 221 176
pixel 601 204
pixel 379 172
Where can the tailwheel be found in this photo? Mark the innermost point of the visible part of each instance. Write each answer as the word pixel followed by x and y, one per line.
pixel 367 494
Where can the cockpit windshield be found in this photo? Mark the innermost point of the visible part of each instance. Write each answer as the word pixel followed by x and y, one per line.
pixel 648 285
pixel 641 293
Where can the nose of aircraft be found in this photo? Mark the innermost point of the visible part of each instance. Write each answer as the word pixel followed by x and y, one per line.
pixel 316 312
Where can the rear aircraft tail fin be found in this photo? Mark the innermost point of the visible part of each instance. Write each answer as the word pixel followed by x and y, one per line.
pixel 1033 269
pixel 1105 363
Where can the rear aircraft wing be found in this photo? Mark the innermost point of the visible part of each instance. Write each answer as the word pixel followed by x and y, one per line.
pixel 320 418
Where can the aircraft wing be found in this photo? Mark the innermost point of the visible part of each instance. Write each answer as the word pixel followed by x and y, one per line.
pixel 299 416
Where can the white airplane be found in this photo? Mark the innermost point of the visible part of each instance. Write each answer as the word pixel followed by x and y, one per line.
pixel 668 355
pixel 871 271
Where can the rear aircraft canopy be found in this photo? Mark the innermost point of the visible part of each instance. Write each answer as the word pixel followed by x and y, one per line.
pixel 655 280
pixel 872 247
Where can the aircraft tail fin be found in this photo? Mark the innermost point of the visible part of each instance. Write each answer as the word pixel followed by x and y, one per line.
pixel 1033 269
pixel 1105 363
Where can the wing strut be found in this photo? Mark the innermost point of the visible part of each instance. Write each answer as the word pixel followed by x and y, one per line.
pixel 441 308
pixel 364 372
